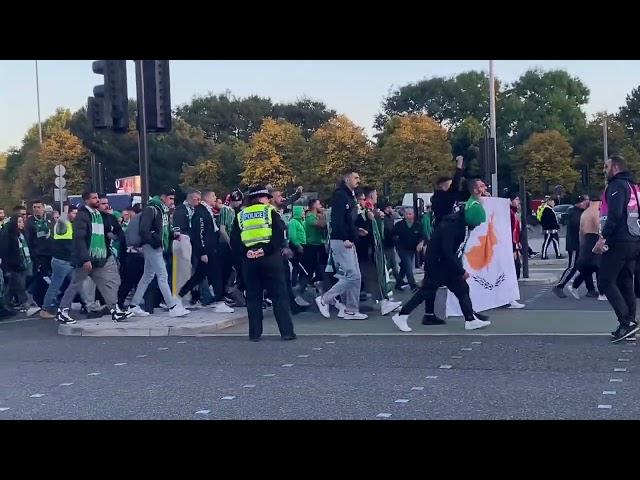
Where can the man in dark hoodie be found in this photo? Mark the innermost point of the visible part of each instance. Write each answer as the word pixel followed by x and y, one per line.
pixel 38 235
pixel 619 244
pixel 92 257
pixel 446 194
pixel 155 233
pixel 343 237
pixel 388 241
pixel 550 228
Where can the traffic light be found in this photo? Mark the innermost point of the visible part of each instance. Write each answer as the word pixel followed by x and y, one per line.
pixel 109 108
pixel 157 98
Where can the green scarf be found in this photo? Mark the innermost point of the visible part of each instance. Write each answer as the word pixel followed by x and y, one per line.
pixel 157 203
pixel 98 244
pixel 25 255
pixel 42 227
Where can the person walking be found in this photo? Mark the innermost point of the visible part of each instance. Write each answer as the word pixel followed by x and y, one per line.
pixel 182 248
pixel 619 244
pixel 446 194
pixel 388 240
pixel 258 233
pixel 315 252
pixel 408 235
pixel 550 228
pixel 589 262
pixel 572 247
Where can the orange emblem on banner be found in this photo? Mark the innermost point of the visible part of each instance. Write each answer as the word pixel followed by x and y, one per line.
pixel 480 256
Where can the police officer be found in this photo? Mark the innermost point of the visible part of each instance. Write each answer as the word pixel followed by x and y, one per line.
pixel 257 233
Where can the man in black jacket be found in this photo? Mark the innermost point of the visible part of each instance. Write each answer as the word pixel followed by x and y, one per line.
pixel 446 194
pixel 573 247
pixel 619 245
pixel 92 257
pixel 205 238
pixel 409 239
pixel 550 228
pixel 38 235
pixel 155 233
pixel 182 248
pixel 388 241
pixel 343 237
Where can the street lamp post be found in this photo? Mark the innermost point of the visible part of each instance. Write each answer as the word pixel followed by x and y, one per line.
pixel 38 101
pixel 492 115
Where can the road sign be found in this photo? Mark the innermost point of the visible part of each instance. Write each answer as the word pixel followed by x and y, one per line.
pixel 59 170
pixel 60 182
pixel 60 194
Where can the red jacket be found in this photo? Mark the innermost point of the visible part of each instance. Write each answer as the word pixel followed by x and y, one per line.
pixel 515 229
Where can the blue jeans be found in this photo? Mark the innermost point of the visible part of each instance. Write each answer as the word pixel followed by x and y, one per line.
pixel 407 259
pixel 60 270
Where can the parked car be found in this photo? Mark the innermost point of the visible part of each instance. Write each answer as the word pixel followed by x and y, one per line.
pixel 562 213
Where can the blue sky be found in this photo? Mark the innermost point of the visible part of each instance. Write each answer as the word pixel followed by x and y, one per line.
pixel 353 87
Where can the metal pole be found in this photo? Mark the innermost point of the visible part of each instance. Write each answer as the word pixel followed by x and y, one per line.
pixel 100 180
pixel 38 100
pixel 605 135
pixel 142 134
pixel 524 238
pixel 492 115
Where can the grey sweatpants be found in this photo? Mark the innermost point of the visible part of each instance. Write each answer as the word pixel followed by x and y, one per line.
pixel 153 266
pixel 348 275
pixel 107 280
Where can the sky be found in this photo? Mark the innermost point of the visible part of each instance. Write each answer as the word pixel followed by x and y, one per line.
pixel 355 88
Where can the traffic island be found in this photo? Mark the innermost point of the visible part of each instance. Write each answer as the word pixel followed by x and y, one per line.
pixel 198 322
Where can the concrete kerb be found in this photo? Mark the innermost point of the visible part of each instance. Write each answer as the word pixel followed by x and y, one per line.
pixel 197 323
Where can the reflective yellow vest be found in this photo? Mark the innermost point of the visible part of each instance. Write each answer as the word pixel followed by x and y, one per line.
pixel 68 235
pixel 255 224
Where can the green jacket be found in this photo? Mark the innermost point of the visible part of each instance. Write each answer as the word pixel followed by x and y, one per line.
pixel 296 231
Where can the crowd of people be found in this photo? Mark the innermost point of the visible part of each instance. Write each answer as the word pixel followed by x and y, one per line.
pixel 244 251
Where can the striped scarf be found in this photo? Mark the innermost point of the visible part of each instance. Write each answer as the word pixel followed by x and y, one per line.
pixel 25 255
pixel 98 243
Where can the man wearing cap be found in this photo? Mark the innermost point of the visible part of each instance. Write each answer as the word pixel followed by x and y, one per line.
pixel 155 233
pixel 443 265
pixel 257 232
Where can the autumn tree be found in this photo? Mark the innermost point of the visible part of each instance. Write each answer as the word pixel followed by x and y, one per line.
pixel 274 155
pixel 220 171
pixel 337 146
pixel 545 160
pixel 414 152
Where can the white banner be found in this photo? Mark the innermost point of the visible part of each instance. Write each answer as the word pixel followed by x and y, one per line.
pixel 488 258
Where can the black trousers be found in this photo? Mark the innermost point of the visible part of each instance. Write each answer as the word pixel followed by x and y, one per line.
pixel 226 262
pixel 427 294
pixel 549 239
pixel 571 269
pixel 518 264
pixel 212 271
pixel 585 274
pixel 131 270
pixel 266 273
pixel 615 279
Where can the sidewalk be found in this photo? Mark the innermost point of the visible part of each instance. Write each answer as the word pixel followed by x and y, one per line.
pixel 198 322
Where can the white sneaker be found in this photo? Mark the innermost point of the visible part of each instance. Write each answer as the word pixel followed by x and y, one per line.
pixel 178 311
pixel 515 304
pixel 32 311
pixel 221 307
pixel 476 324
pixel 138 311
pixel 354 316
pixel 573 292
pixel 602 298
pixel 323 307
pixel 401 322
pixel 387 306
pixel 301 302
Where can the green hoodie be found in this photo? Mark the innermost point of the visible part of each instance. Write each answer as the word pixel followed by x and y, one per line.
pixel 156 202
pixel 297 233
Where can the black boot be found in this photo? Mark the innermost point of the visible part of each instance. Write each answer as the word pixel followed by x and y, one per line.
pixel 431 319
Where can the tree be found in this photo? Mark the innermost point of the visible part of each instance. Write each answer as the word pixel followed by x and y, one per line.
pixel 545 160
pixel 414 152
pixel 306 114
pixel 337 146
pixel 272 154
pixel 220 171
pixel 465 141
pixel 629 114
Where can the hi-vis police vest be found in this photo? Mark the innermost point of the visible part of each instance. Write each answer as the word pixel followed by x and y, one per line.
pixel 68 235
pixel 255 224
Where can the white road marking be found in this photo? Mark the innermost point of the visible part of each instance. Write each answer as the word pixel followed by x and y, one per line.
pixel 605 406
pixel 466 349
pixel 615 380
pixel 4 409
pixel 445 366
pixel 619 369
pixel 269 375
pixel 93 374
pixel 627 351
pixel 287 365
pixel 181 342
pixel 303 356
pixel 68 384
pixel 383 415
pixel 248 386
pixel 329 342
pixel 431 376
pixel 37 395
pixel 417 388
pixel 228 397
pixel 609 392
pixel 203 412
pixel 140 356
pixel 624 359
pixel 163 348
pixel 456 356
pixel 317 349
pixel 120 364
pixel 476 343
pixel 402 400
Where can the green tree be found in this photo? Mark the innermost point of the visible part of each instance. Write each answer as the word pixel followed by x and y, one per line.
pixel 306 114
pixel 546 160
pixel 465 141
pixel 629 114
pixel 220 171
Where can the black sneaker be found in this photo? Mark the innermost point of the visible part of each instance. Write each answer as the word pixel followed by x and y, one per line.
pixel 592 294
pixel 118 315
pixel 632 324
pixel 432 320
pixel 98 313
pixel 559 292
pixel 293 336
pixel 480 316
pixel 63 317
pixel 623 332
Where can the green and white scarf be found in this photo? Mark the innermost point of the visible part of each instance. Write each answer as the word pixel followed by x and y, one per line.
pixel 25 254
pixel 42 227
pixel 98 243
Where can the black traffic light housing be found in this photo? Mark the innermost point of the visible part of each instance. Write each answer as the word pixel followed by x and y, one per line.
pixel 109 106
pixel 157 98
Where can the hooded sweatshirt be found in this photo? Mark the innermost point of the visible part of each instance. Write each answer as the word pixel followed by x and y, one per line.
pixel 296 231
pixel 154 224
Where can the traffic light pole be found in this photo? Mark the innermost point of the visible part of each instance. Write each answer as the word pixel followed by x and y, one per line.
pixel 142 134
